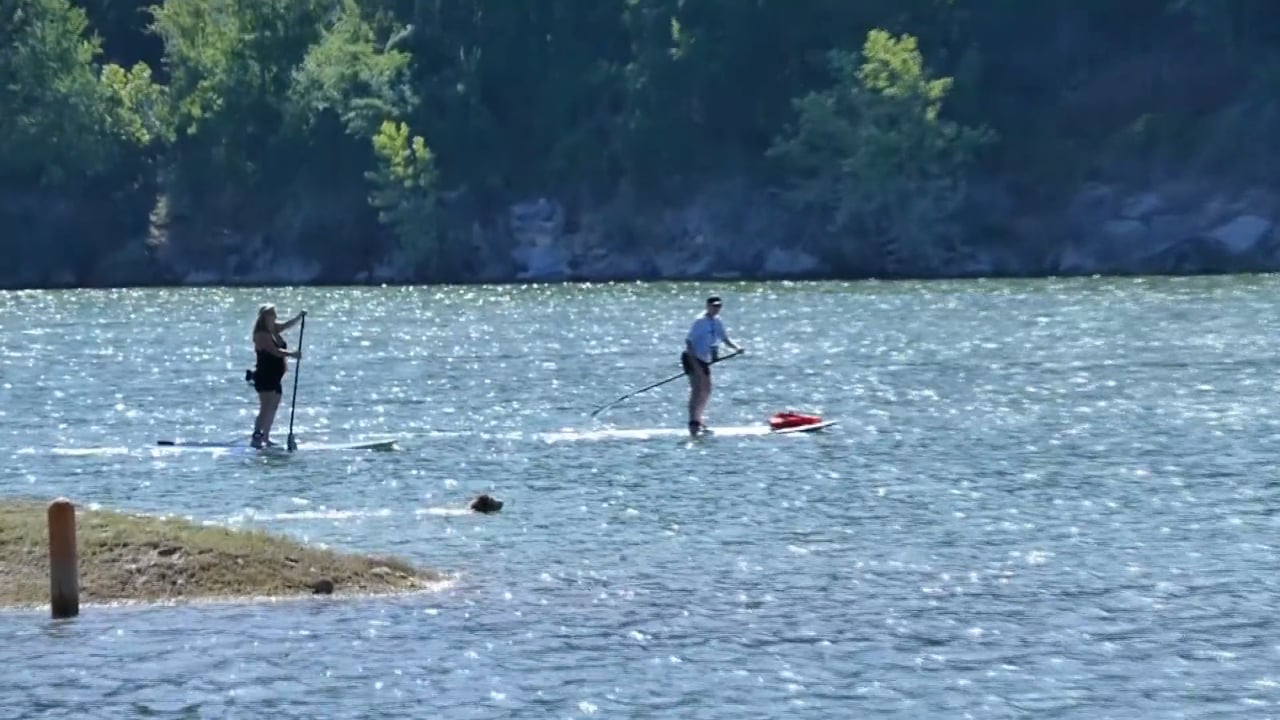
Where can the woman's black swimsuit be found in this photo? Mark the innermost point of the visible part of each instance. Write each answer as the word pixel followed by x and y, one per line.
pixel 268 375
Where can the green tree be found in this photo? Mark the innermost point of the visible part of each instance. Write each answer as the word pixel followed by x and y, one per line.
pixel 709 83
pixel 73 135
pixel 518 97
pixel 348 76
pixel 347 84
pixel 873 153
pixel 123 26
pixel 51 103
pixel 137 108
pixel 404 186
pixel 271 118
pixel 231 65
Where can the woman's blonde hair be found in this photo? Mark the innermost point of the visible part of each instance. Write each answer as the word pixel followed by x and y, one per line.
pixel 260 324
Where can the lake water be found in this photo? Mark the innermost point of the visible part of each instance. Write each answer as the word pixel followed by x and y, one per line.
pixel 1043 499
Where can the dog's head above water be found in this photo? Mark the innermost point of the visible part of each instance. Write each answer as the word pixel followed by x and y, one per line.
pixel 485 504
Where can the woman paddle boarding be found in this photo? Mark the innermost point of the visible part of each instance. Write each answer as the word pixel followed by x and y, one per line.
pixel 271 351
pixel 701 348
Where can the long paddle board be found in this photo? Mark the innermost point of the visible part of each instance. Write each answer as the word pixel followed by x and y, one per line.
pixel 382 444
pixel 648 433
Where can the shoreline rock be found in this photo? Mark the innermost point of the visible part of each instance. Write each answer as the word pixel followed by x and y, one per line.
pixel 732 231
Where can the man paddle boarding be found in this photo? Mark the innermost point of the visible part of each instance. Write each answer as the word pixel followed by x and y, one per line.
pixel 268 374
pixel 701 348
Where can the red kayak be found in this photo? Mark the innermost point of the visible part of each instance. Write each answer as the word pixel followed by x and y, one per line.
pixel 788 419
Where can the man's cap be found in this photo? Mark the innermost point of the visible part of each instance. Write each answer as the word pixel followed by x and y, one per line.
pixel 714 300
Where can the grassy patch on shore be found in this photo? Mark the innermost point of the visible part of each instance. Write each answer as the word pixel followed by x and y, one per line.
pixel 138 557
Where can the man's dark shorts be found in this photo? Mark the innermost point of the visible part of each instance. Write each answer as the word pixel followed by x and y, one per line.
pixel 689 362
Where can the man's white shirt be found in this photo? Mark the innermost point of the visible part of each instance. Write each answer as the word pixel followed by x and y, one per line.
pixel 707 332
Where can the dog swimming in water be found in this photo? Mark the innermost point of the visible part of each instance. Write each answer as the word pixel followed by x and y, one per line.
pixel 485 503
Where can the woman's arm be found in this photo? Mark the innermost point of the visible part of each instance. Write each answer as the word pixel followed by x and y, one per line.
pixel 281 327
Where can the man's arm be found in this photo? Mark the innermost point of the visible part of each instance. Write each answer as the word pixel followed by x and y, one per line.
pixel 724 337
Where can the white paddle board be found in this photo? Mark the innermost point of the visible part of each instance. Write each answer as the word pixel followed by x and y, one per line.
pixel 649 433
pixel 380 444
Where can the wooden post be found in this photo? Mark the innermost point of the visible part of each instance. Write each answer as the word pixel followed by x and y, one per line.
pixel 64 573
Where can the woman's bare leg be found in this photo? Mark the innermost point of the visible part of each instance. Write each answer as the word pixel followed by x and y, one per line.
pixel 260 421
pixel 270 404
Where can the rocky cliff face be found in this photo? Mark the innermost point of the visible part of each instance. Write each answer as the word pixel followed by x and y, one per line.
pixel 735 231
pixel 1180 228
pixel 1175 229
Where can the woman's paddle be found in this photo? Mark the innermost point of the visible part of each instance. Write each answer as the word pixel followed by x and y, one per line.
pixel 660 383
pixel 293 401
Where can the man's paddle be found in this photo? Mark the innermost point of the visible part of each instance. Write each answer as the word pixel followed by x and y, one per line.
pixel 660 383
pixel 293 401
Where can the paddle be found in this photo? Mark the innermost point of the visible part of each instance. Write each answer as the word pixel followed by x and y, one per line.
pixel 293 401
pixel 660 383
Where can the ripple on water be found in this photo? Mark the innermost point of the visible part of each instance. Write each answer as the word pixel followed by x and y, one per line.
pixel 1046 498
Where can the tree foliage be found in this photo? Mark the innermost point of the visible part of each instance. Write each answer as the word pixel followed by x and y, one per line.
pixel 404 191
pixel 72 128
pixel 54 108
pixel 231 65
pixel 347 74
pixel 873 153
pixel 277 117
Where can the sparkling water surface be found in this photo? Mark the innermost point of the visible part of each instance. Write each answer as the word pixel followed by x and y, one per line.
pixel 1044 499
